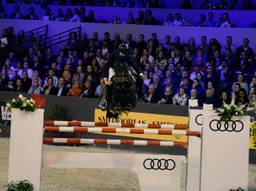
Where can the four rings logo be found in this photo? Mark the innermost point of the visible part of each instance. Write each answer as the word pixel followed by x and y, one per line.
pixel 229 126
pixel 159 164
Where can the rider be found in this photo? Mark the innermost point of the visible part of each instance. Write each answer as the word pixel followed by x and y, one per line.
pixel 114 71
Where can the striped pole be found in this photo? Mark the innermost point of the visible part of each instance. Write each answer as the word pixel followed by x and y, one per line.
pixel 122 130
pixel 51 140
pixel 120 125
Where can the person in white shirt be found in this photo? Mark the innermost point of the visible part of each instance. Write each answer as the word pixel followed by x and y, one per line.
pixel 180 98
pixel 36 87
pixel 76 16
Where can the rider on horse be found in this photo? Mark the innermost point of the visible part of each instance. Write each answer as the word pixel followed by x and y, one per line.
pixel 119 93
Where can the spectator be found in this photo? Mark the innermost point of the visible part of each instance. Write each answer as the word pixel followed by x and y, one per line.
pixel 36 87
pixel 167 98
pixel 49 89
pixel 186 4
pixel 210 20
pixel 202 22
pixel 130 19
pixel 76 16
pixel 31 14
pixel 180 98
pixel 149 19
pixel 209 98
pixel 76 89
pixel 152 95
pixel 178 20
pixel 170 20
pixel 18 87
pixel 91 17
pixel 26 81
pixel 140 18
pixel 62 89
pixel 59 16
pixel 225 21
pixel 16 14
pixel 88 90
pixel 242 98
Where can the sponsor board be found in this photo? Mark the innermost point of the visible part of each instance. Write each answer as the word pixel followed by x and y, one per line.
pixel 136 117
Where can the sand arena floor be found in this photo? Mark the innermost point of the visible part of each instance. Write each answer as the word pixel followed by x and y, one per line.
pixel 55 179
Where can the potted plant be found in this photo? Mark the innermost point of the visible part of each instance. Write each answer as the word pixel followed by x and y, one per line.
pixel 22 103
pixel 23 185
pixel 228 111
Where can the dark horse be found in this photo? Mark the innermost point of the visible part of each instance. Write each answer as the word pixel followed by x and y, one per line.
pixel 122 94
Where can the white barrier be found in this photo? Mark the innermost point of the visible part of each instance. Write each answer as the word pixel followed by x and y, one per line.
pixel 26 146
pixel 224 157
pixel 149 179
pixel 225 153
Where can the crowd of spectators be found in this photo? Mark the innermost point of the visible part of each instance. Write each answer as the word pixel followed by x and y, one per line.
pixel 173 71
pixel 144 18
pixel 185 4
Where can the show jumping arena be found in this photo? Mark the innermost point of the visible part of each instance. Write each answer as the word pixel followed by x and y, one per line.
pixel 106 168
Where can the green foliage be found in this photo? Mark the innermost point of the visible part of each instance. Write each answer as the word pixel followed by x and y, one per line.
pixel 228 111
pixel 23 185
pixel 22 103
pixel 238 189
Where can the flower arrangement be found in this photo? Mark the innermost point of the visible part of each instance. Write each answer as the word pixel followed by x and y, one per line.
pixel 23 185
pixel 22 103
pixel 228 111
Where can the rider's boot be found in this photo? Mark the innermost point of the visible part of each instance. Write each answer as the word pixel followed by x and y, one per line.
pixel 103 104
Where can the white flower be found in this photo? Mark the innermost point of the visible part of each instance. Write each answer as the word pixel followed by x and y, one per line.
pixel 8 105
pixel 227 107
pixel 13 100
pixel 20 96
pixel 24 105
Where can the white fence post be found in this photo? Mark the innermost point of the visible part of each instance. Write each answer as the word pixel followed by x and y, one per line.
pixel 225 153
pixel 26 146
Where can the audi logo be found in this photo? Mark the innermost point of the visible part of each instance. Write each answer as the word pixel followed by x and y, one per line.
pixel 159 164
pixel 199 119
pixel 229 126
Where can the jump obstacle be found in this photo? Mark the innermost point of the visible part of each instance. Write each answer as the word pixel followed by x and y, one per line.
pixel 114 124
pixel 213 143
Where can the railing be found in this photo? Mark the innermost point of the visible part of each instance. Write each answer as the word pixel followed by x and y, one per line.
pixel 40 32
pixel 63 37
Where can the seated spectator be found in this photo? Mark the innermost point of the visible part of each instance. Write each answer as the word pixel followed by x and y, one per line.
pixel 76 16
pixel 140 4
pixel 225 21
pixel 167 98
pixel 62 89
pixel 170 20
pixel 16 14
pixel 242 83
pixel 88 89
pixel 186 4
pixel 155 4
pixel 152 96
pixel 4 80
pixel 210 20
pixel 26 81
pixel 149 19
pixel 35 88
pixel 209 98
pixel 68 14
pixel 51 74
pixel 49 89
pixel 177 20
pixel 31 14
pixel 76 89
pixel 59 16
pixel 140 18
pixel 245 48
pixel 180 98
pixel 224 99
pixel 223 5
pixel 202 22
pixel 18 87
pixel 82 14
pixel 99 89
pixel 91 17
pixel 130 19
pixel 242 98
